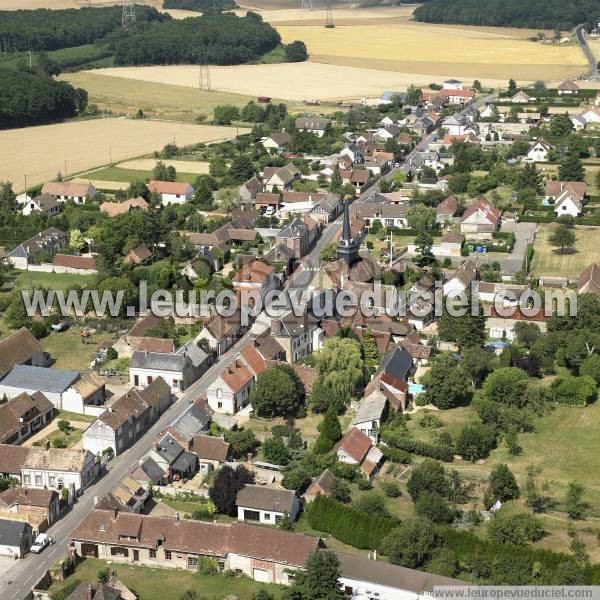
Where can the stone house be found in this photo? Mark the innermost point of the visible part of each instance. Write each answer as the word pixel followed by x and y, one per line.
pixel 38 507
pixel 21 348
pixel 23 416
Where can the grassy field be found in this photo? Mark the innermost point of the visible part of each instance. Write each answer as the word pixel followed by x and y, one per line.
pixel 546 260
pixel 555 447
pixel 172 583
pixel 162 97
pixel 129 175
pixel 184 166
pixel 67 350
pixel 41 152
pixel 27 280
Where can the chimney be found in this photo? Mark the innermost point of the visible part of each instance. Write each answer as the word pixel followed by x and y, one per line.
pixel 96 500
pixel 276 326
pixel 249 457
pixel 176 518
pixel 115 514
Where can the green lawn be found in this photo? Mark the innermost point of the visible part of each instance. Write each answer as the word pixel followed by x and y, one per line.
pixel 277 55
pixel 71 439
pixel 53 281
pixel 129 175
pixel 67 350
pixel 71 416
pixel 547 261
pixel 167 584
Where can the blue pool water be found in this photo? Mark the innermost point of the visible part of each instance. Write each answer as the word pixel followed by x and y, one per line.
pixel 415 388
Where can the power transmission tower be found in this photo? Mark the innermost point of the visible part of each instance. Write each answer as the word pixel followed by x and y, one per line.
pixel 128 18
pixel 329 19
pixel 204 82
pixel 306 5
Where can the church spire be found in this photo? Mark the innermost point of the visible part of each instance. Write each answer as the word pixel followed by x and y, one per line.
pixel 347 248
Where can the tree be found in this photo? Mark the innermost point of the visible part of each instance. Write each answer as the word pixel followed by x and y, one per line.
pixel 423 244
pixel 571 167
pixel 217 166
pixel 531 493
pixel 477 86
pixel 420 217
pixel 295 52
pixel 465 330
pixel 413 95
pixel 227 483
pixel 339 490
pixel 241 168
pixel 228 199
pixel 76 240
pixel 560 125
pixel 320 580
pixel 224 114
pixel 372 504
pixel 574 505
pixel 241 442
pixel 296 479
pixel 277 393
pixel 563 238
pixel 477 364
pixel 203 190
pixel 512 87
pixel 502 484
pixel 8 198
pixel 432 506
pixel 330 426
pixel 529 177
pixel 591 367
pixel 138 188
pixel 336 179
pixel 162 172
pixel 275 451
pixel 475 441
pixel 370 349
pixel 506 385
pixel 428 476
pixel 446 383
pixel 411 544
pixel 506 528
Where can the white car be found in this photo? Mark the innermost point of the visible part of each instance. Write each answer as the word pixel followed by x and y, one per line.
pixel 41 541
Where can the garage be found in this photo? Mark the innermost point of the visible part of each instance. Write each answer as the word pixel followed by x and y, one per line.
pixel 262 575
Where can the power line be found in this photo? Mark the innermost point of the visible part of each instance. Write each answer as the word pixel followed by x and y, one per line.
pixel 204 82
pixel 329 18
pixel 128 17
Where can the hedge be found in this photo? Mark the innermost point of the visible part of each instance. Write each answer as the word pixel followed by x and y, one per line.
pixel 396 455
pixel 347 524
pixel 400 441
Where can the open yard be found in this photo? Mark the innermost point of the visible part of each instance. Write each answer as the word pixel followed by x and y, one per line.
pixel 27 280
pixel 556 448
pixel 67 350
pixel 547 261
pixel 182 166
pixel 126 176
pixel 172 583
pixel 41 152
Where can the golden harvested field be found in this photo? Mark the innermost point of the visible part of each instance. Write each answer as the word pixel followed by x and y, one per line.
pixel 439 50
pixel 546 261
pixel 41 152
pixel 182 166
pixel 292 81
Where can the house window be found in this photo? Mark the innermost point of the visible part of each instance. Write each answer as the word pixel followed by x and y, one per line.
pixel 38 480
pixel 251 515
pixel 117 551
pixel 51 481
pixel 26 478
pixel 192 562
pixel 136 380
pixel 267 516
pixel 348 590
pixel 168 555
pixel 219 393
pixel 149 379
pixel 219 405
pixel 152 553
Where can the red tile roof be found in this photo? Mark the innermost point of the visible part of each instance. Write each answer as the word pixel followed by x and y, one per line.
pixel 74 262
pixel 169 187
pixel 355 444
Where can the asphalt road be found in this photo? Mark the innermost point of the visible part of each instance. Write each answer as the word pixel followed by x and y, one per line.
pixel 593 72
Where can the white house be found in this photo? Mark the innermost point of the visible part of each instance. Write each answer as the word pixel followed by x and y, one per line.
pixel 172 192
pixel 578 121
pixel 521 98
pixel 462 279
pixel 86 396
pixel 59 468
pixel 591 115
pixel 538 152
pixel 67 190
pixel 53 383
pixel 230 391
pixel 480 220
pixel 356 448
pixel 276 142
pixel 354 152
pixel 452 84
pixel 370 413
pixel 266 506
pixel 366 579
pixel 44 203
pixel 455 124
pixel 568 203
pixel 16 538
pixel 313 125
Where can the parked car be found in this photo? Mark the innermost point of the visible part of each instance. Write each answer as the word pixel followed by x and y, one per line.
pixel 58 327
pixel 41 541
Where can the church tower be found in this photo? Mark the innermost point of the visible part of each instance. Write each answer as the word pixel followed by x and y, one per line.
pixel 347 247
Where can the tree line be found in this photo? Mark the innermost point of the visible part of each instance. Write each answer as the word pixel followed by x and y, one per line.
pixel 200 5
pixel 44 29
pixel 31 98
pixel 551 14
pixel 219 38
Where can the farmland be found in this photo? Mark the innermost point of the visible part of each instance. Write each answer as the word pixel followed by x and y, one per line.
pixel 547 261
pixel 41 152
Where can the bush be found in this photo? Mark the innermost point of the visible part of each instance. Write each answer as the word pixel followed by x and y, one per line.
pixel 391 489
pixel 475 441
pixel 400 441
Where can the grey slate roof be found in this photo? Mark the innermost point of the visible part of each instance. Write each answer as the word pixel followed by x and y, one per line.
pixel 371 408
pixel 41 379
pixel 152 470
pixel 158 361
pixel 186 461
pixel 194 353
pixel 168 448
pixel 256 496
pixel 193 421
pixel 293 230
pixel 397 362
pixel 12 532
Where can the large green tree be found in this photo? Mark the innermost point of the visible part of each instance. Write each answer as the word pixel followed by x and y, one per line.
pixel 446 383
pixel 278 393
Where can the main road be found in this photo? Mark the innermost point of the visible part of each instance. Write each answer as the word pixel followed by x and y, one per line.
pixel 17 580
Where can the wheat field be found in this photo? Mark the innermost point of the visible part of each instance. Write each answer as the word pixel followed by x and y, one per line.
pixel 41 152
